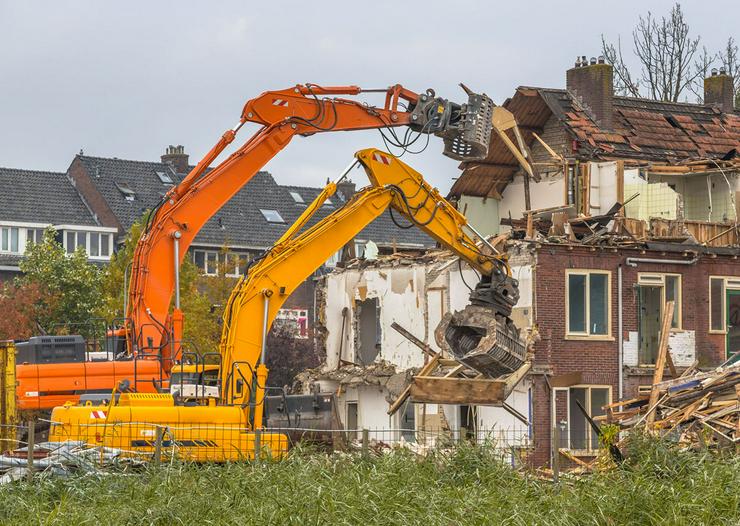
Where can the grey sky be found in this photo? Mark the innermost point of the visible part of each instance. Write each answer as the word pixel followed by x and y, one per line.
pixel 125 79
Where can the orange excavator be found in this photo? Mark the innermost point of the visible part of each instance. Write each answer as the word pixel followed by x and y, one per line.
pixel 153 334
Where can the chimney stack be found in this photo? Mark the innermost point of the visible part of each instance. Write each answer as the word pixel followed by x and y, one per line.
pixel 176 157
pixel 592 83
pixel 346 188
pixel 718 90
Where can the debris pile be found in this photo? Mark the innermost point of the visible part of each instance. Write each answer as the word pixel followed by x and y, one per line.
pixel 698 411
pixel 62 458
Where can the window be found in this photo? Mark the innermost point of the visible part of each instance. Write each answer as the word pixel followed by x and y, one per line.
pixel 95 244
pixel 592 399
pixel 272 216
pixel 105 245
pixel 588 301
pixel 9 239
pixel 70 245
pixel 297 198
pixel 164 178
pixel 236 264
pixel 328 203
pixel 207 261
pixel 294 321
pixel 127 192
pixel 720 289
pixel 576 432
pixel 211 263
pixel 34 236
pixel 670 290
pixel 82 240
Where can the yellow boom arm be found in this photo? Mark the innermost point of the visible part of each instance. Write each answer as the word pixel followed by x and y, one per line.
pixel 255 301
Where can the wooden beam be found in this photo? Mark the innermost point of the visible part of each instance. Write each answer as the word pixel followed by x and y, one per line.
pixel 567 379
pixel 435 389
pixel 413 339
pixel 546 146
pixel 620 186
pixel 665 329
pixel 517 376
pixel 428 368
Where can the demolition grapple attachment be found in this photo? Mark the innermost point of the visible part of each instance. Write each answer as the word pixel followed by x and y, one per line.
pixel 481 335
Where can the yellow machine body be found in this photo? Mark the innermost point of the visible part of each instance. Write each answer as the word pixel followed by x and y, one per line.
pixel 138 421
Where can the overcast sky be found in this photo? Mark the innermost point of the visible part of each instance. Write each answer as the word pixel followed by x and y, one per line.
pixel 126 79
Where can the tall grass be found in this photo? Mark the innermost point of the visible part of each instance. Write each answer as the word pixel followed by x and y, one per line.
pixel 657 485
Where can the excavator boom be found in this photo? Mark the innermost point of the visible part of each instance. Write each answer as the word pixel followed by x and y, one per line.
pixel 301 110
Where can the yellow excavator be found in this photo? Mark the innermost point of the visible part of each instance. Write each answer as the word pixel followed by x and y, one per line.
pixel 224 420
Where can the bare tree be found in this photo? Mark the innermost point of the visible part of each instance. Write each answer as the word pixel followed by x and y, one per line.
pixel 666 53
pixel 730 60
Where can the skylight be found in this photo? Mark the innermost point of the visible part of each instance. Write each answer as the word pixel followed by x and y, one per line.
pixel 129 194
pixel 297 198
pixel 165 178
pixel 272 216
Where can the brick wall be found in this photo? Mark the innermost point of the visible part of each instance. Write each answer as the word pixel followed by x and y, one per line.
pixel 90 194
pixel 598 360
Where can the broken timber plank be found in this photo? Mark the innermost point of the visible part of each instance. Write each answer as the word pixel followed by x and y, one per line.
pixel 665 328
pixel 435 389
pixel 428 368
pixel 413 339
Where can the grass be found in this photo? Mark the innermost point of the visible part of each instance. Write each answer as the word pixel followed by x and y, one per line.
pixel 658 485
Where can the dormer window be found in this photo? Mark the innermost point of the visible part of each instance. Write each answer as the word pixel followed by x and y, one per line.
pixel 128 194
pixel 165 178
pixel 272 216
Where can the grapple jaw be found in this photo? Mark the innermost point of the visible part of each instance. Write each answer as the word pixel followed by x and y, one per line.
pixel 481 335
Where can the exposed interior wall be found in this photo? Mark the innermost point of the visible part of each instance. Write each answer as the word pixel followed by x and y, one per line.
pixel 547 193
pixel 603 187
pixel 704 197
pixel 682 345
pixel 656 198
pixel 416 297
pixel 481 213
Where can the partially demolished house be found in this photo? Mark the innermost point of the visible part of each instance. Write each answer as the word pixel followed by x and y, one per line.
pixel 614 206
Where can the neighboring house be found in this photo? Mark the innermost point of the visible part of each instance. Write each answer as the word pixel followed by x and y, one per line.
pixel 596 300
pixel 32 201
pixel 120 191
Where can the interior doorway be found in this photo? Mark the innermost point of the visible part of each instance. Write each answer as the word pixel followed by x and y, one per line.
pixel 650 302
pixel 733 322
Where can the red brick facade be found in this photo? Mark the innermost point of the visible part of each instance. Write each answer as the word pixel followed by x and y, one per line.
pixel 598 360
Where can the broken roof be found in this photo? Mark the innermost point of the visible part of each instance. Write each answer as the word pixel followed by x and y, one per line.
pixel 644 130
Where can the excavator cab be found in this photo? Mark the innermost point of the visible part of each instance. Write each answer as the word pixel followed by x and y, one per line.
pixel 195 382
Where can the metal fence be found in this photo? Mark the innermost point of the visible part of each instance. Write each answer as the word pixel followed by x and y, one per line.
pixel 100 444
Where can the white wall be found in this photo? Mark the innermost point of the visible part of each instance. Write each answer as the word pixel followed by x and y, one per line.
pixel 547 193
pixel 682 345
pixel 481 213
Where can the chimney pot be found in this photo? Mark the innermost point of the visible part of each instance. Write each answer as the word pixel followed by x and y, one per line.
pixel 593 61
pixel 601 59
pixel 722 71
pixel 714 72
pixel 176 157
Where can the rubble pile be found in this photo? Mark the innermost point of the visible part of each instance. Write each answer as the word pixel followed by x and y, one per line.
pixel 698 411
pixel 62 458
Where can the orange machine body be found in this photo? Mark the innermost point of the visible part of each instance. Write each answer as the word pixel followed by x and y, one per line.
pixel 41 387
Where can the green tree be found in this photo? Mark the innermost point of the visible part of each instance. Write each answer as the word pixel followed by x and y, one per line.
pixel 113 285
pixel 71 285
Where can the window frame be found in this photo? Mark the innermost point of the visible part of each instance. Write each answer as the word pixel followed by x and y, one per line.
pixel 728 283
pixel 268 211
pixel 587 307
pixel 206 254
pixel 643 278
pixel 579 452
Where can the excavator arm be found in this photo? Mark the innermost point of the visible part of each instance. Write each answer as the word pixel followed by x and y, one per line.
pixel 301 110
pixel 259 295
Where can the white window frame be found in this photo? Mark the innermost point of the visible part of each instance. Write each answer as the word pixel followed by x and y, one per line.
pixel 657 279
pixel 6 237
pixel 206 254
pixel 728 283
pixel 88 235
pixel 234 272
pixel 267 211
pixel 582 452
pixel 587 307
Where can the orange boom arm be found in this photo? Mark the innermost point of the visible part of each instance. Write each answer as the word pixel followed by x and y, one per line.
pixel 302 110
